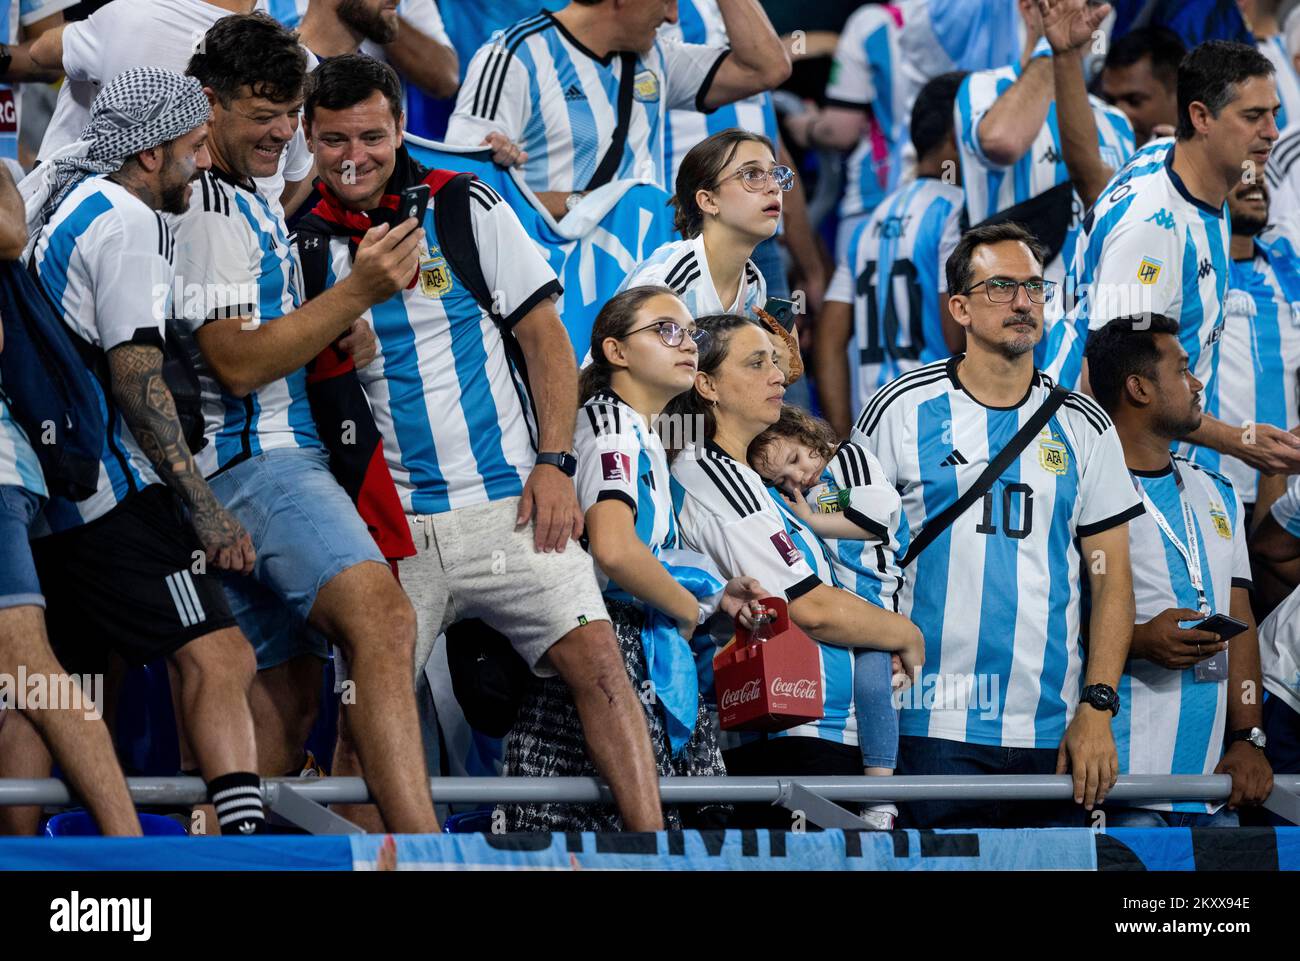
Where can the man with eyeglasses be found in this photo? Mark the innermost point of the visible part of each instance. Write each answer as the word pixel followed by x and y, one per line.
pixel 477 404
pixel 996 592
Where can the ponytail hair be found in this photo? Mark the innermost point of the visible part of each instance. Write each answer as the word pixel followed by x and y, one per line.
pixel 700 170
pixel 614 320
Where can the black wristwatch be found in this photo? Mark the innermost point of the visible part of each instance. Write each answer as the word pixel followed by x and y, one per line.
pixel 1102 697
pixel 563 460
pixel 1253 735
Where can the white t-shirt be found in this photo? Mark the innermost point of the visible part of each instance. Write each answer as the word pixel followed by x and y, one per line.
pixel 14 15
pixel 1279 651
pixel 145 33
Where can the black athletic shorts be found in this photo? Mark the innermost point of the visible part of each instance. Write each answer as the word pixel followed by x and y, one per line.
pixel 126 582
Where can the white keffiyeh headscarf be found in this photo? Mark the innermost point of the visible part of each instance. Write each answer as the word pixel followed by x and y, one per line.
pixel 140 108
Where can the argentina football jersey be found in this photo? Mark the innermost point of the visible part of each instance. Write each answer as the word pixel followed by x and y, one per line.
pixel 542 88
pixel 892 273
pixel 1284 76
pixel 1147 246
pixel 996 594
pixel 1259 354
pixel 729 515
pixel 683 267
pixel 1169 722
pixel 234 259
pixel 106 261
pixel 865 75
pixel 700 22
pixel 992 188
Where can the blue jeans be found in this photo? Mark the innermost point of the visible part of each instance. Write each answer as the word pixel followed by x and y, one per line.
pixel 932 755
pixel 19 584
pixel 1131 817
pixel 874 707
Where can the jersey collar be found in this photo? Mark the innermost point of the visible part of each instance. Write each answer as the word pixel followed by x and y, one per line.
pixel 955 359
pixel 227 177
pixel 604 61
pixel 1182 187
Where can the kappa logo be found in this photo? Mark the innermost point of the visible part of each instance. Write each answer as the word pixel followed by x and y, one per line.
pixel 785 547
pixel 574 92
pixel 1051 155
pixel 616 466
pixel 1162 218
pixel 1204 270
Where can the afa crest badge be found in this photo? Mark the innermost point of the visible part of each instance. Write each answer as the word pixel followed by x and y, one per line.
pixel 1219 515
pixel 435 277
pixel 1052 456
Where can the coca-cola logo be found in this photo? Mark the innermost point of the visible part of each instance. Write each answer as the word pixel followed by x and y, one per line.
pixel 735 696
pixel 802 689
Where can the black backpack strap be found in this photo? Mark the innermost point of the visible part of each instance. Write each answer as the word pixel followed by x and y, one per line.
pixel 451 219
pixel 613 156
pixel 991 473
pixel 312 238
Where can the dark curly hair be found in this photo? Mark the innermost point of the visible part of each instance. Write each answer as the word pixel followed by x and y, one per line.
pixel 250 51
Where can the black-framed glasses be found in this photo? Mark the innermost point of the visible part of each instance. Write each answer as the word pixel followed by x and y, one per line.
pixel 755 178
pixel 672 333
pixel 1003 290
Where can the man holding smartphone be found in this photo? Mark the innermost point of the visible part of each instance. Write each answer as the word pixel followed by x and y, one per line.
pixel 1190 691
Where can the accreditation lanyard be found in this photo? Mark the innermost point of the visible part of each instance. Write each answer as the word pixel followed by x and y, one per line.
pixel 1191 551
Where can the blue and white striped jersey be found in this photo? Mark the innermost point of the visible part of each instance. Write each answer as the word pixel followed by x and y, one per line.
pixel 893 274
pixel 106 260
pixel 991 188
pixel 683 266
pixel 18 464
pixel 234 259
pixel 1286 509
pixel 996 595
pixel 727 514
pixel 1148 245
pixel 864 74
pixel 940 36
pixel 1279 651
pixel 1284 76
pixel 1283 175
pixel 700 22
pixel 1259 353
pixel 1168 722
pixel 867 567
pixel 548 93
pixel 457 425
pixel 621 458
pixel 14 16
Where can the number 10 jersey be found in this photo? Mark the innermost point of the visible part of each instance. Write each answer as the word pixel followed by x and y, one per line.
pixel 996 595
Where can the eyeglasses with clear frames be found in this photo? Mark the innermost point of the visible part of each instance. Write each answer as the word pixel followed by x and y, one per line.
pixel 755 178
pixel 671 333
pixel 1003 290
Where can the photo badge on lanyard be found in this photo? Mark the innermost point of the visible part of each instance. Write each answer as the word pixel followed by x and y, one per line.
pixel 1212 669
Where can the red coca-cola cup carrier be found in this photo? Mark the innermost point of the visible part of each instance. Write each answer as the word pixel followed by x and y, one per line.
pixel 770 678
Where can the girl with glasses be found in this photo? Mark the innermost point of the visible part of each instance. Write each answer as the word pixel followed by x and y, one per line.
pixel 729 197
pixel 644 353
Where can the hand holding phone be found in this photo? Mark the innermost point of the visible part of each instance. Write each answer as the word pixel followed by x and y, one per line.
pixel 413 202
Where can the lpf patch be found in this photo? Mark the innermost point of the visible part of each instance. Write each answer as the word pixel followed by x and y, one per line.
pixel 1149 270
pixel 616 466
pixel 435 277
pixel 645 86
pixel 1052 456
pixel 1220 517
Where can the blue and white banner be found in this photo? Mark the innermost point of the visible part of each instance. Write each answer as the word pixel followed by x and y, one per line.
pixel 592 249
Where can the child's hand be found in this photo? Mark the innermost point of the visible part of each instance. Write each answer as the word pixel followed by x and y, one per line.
pixel 741 597
pixel 900 679
pixel 798 503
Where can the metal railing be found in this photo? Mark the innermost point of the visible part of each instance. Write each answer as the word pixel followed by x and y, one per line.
pixel 301 800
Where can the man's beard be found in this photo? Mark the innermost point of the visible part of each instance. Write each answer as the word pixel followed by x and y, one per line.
pixel 173 199
pixel 1166 426
pixel 369 23
pixel 1245 225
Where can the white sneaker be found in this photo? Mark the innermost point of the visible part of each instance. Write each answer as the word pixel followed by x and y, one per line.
pixel 879 817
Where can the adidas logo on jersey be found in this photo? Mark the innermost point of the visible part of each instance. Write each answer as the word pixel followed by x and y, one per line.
pixel 574 92
pixel 1162 218
pixel 953 460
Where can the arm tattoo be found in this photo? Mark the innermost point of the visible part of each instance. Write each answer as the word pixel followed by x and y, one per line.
pixel 147 406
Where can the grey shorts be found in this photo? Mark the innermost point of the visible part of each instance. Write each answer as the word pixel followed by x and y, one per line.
pixel 471 562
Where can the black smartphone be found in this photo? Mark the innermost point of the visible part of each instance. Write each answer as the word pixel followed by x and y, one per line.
pixel 413 202
pixel 782 311
pixel 1223 625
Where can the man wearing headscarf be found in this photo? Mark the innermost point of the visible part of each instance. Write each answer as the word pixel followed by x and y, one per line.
pixel 136 580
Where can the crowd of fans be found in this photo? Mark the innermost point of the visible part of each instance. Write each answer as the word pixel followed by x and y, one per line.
pixel 1018 453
